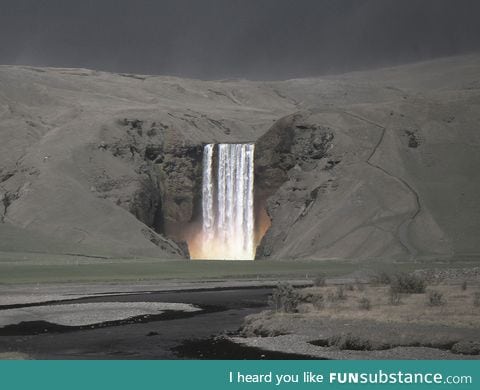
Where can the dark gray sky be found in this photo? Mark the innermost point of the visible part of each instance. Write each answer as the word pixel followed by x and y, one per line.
pixel 256 39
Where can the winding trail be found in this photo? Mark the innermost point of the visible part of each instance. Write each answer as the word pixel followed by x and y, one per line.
pixel 402 228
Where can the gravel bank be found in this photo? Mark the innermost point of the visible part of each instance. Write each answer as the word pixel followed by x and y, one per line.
pixel 82 314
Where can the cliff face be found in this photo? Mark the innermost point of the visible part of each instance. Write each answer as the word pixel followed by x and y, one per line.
pixel 292 148
pixel 377 165
pixel 167 178
pixel 373 164
pixel 97 163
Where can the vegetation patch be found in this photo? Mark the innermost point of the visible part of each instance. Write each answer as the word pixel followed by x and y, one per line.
pixel 435 298
pixel 364 303
pixel 408 283
pixel 284 298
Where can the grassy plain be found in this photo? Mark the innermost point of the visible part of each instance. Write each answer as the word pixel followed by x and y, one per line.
pixel 17 267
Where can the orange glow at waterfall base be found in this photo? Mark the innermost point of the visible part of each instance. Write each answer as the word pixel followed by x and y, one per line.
pixel 262 224
pixel 202 249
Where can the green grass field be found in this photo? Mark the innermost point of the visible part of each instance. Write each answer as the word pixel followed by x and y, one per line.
pixel 18 267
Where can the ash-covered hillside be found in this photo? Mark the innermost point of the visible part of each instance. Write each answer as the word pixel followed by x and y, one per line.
pixel 382 163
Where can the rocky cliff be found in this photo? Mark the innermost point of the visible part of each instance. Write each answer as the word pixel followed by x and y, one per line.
pixel 368 164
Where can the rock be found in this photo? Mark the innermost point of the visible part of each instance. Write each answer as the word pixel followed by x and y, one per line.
pixel 290 147
pixel 467 347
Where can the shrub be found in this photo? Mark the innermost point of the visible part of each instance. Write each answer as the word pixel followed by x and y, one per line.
pixel 394 297
pixel 407 283
pixel 340 293
pixel 349 342
pixel 381 278
pixel 476 299
pixel 318 301
pixel 319 280
pixel 435 298
pixel 331 296
pixel 337 295
pixel 284 298
pixel 359 285
pixel 364 303
pixel 305 297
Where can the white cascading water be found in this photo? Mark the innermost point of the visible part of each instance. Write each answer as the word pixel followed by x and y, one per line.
pixel 227 202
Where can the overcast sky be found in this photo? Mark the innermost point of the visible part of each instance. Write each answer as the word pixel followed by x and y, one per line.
pixel 256 39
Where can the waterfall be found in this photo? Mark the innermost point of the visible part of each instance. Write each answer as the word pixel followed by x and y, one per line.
pixel 207 193
pixel 227 202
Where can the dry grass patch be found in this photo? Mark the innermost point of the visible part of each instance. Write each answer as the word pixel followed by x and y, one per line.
pixel 454 309
pixel 13 356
